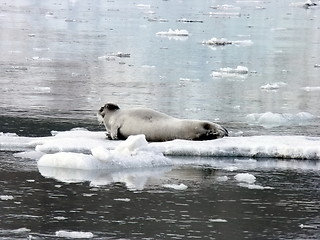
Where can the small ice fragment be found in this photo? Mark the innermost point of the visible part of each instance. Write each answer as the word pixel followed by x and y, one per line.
pixel 222 179
pixel 6 197
pixel 273 86
pixel 311 89
pixel 176 32
pixel 254 186
pixel 176 186
pixel 308 226
pixel 238 69
pixel 218 220
pixel 21 230
pixel 74 234
pixel 217 42
pixel 245 177
pixel 122 199
pixel 60 218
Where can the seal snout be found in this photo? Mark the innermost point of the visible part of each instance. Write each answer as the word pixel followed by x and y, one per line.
pixel 101 111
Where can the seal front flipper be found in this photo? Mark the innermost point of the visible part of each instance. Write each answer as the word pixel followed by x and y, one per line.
pixel 116 134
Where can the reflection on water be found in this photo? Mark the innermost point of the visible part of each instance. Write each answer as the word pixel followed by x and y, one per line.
pixel 137 204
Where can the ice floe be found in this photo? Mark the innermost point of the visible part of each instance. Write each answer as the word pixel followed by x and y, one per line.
pixel 239 72
pixel 74 234
pixel 311 89
pixel 95 151
pixel 269 119
pixel 218 220
pixel 245 177
pixel 307 4
pixel 180 186
pixel 273 86
pixel 174 34
pixel 186 20
pixel 223 42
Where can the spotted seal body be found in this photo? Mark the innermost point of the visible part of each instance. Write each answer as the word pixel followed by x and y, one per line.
pixel 156 126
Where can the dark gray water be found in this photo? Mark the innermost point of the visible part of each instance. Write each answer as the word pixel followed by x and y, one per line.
pixel 59 63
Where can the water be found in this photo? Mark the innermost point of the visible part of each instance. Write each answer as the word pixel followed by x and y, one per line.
pixel 58 66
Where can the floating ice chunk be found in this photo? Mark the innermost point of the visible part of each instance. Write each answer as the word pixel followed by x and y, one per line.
pixel 254 186
pixel 238 69
pixel 37 58
pixel 245 177
pixel 21 230
pixel 308 226
pixel 6 197
pixel 238 72
pixel 176 32
pixel 222 179
pixel 225 7
pixel 218 220
pixel 269 119
pixel 60 218
pixel 311 89
pixel 273 86
pixel 181 186
pixel 74 234
pixel 185 20
pixel 223 42
pixel 307 4
pixel 217 42
pixel 224 14
pixel 122 199
pixel 143 5
pixel 43 89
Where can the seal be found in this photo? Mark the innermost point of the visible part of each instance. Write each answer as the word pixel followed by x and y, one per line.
pixel 156 126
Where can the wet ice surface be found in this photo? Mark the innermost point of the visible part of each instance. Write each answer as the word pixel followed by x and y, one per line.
pixel 62 60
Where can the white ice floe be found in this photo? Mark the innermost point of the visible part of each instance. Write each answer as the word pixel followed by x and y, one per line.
pixel 91 146
pixel 311 89
pixel 254 186
pixel 245 177
pixel 74 234
pixel 269 119
pixel 222 178
pixel 223 42
pixel 218 220
pixel 180 186
pixel 273 86
pixel 224 14
pixel 6 197
pixel 177 32
pixel 306 4
pixel 238 72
